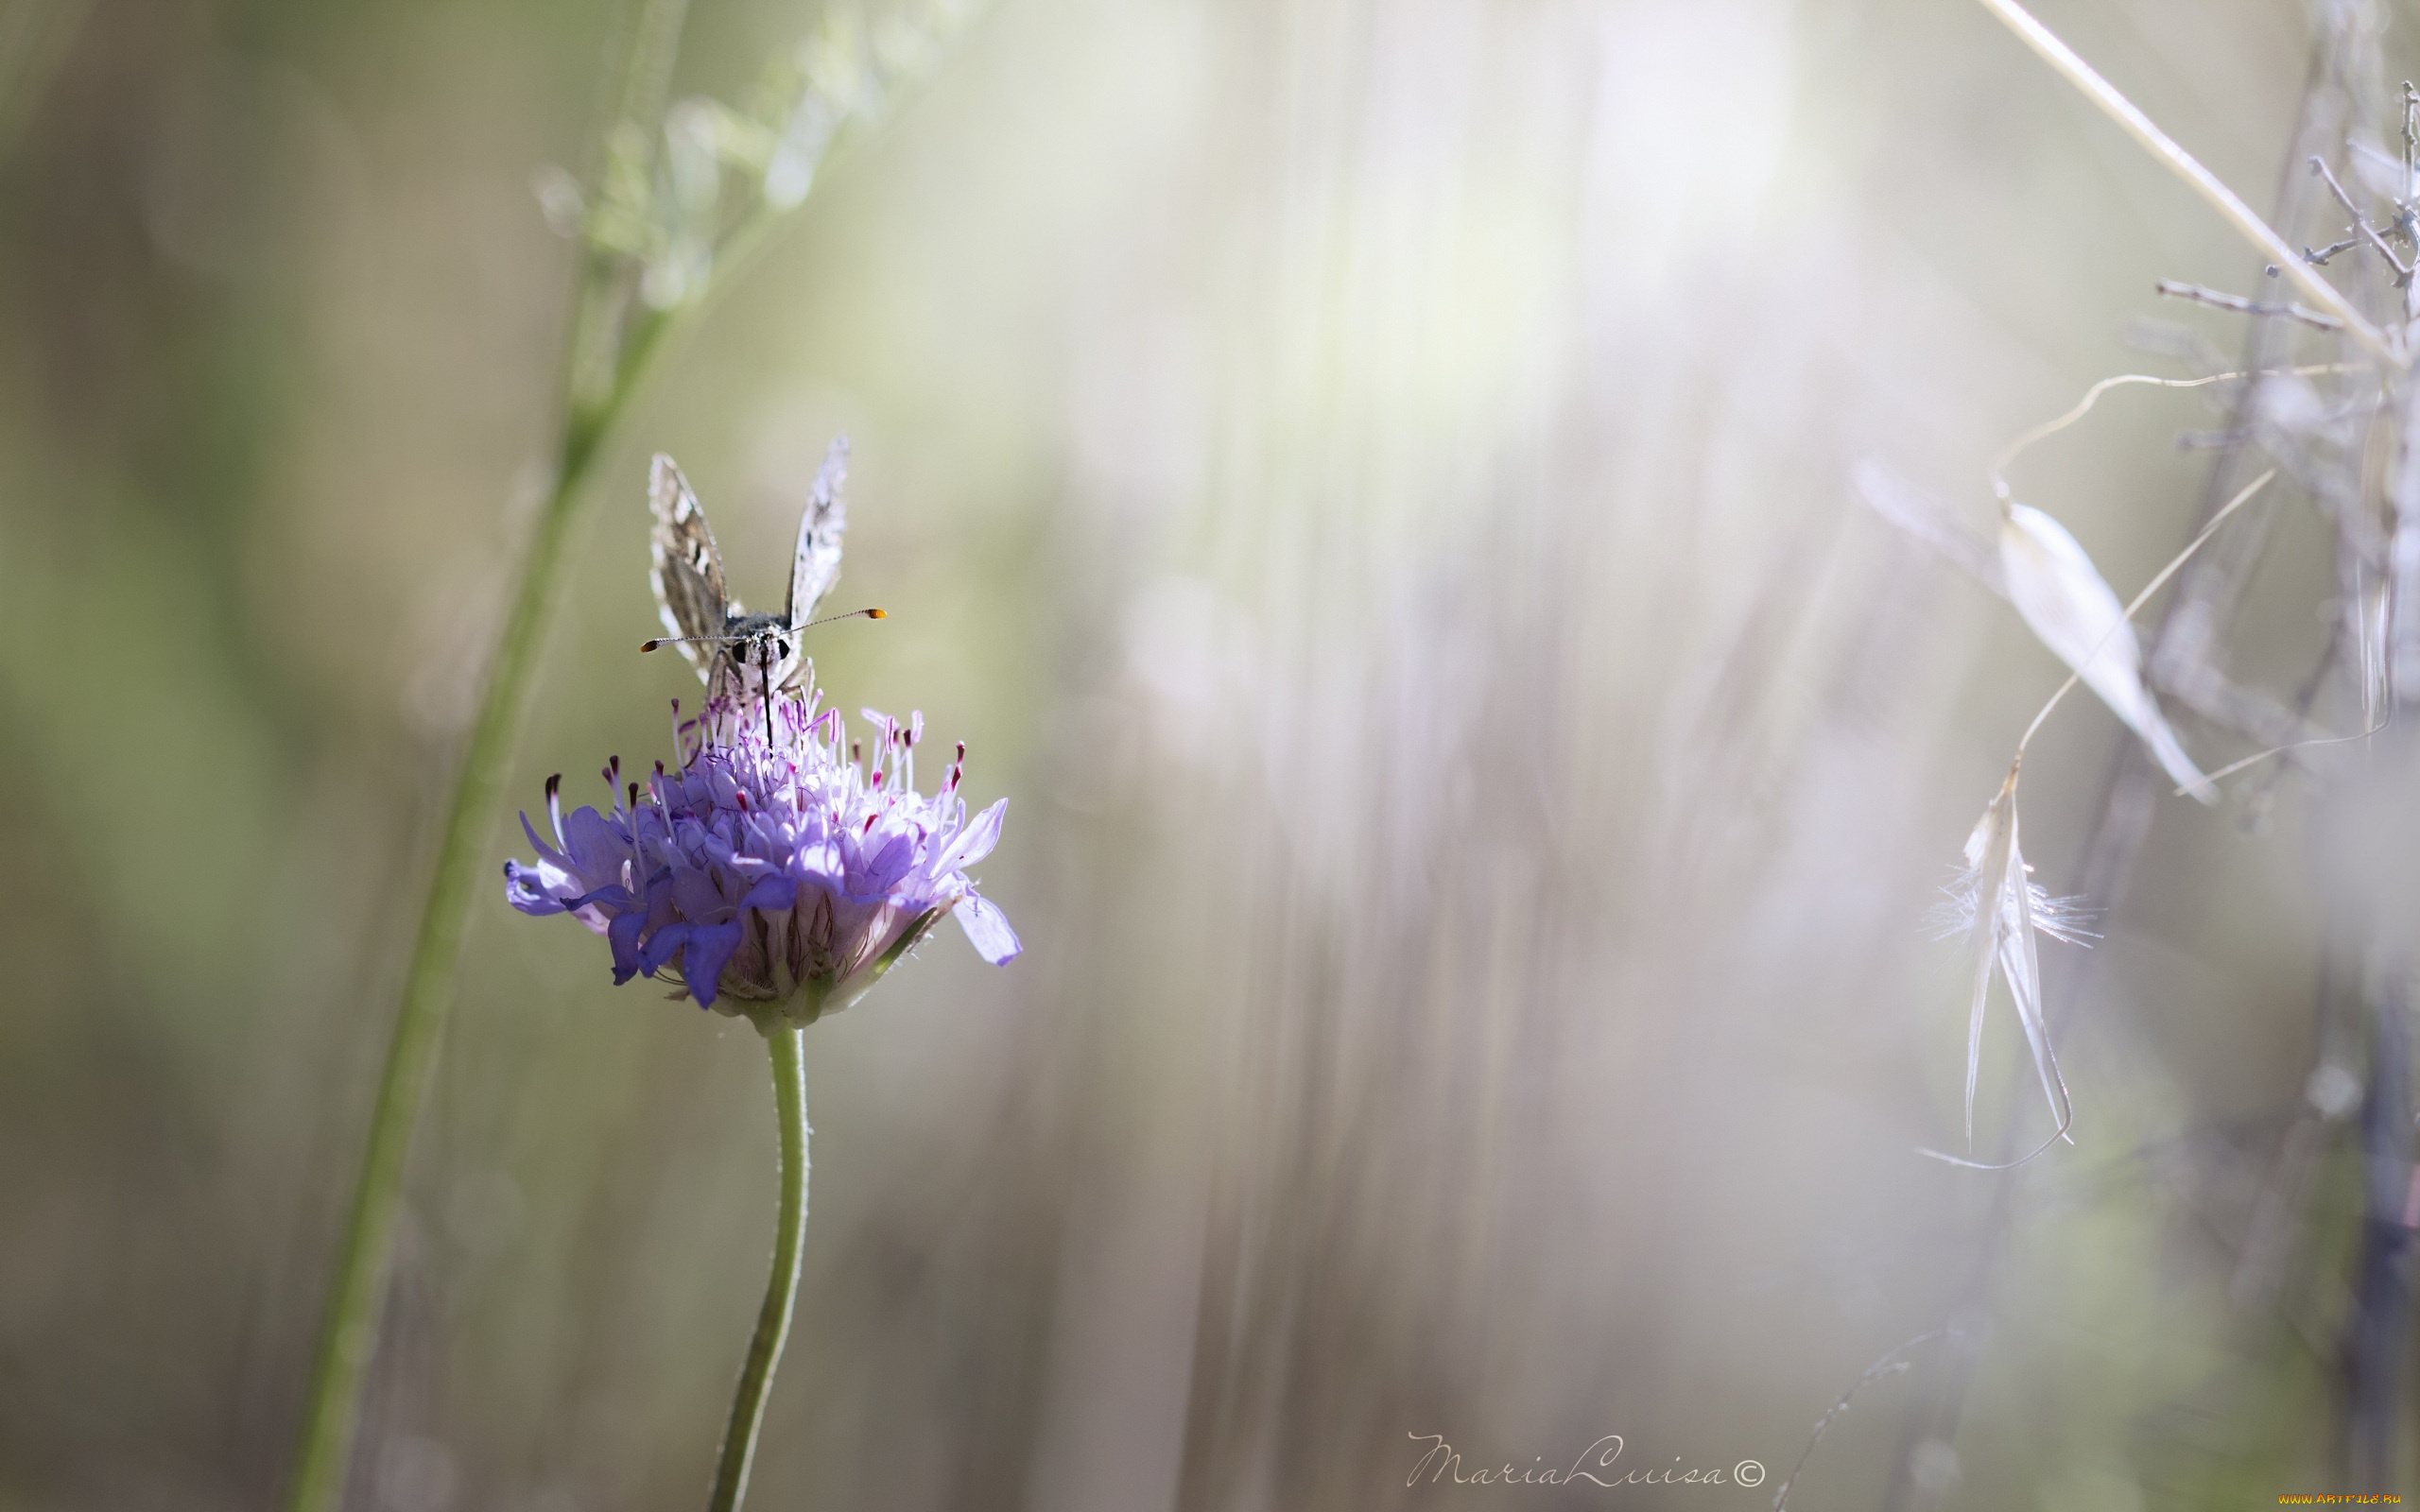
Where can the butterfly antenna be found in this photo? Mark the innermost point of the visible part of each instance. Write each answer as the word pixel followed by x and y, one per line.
pixel 853 614
pixel 685 640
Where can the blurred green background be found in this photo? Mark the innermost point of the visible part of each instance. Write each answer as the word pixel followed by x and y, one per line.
pixel 1367 479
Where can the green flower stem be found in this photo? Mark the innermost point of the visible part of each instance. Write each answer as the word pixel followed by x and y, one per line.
pixel 350 1335
pixel 610 340
pixel 780 1290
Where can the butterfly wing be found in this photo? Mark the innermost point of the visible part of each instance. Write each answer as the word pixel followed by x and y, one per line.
pixel 686 569
pixel 817 566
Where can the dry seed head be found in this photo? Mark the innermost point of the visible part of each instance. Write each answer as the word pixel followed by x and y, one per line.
pixel 2072 611
pixel 2001 919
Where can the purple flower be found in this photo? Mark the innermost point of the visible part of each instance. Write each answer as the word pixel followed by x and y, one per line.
pixel 774 874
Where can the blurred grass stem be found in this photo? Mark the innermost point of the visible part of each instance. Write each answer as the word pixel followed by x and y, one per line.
pixel 348 1334
pixel 1894 1362
pixel 2186 166
pixel 780 1289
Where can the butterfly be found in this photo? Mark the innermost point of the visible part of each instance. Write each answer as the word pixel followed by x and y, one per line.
pixel 740 654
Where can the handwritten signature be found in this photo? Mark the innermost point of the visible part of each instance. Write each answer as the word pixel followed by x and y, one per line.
pixel 1440 1462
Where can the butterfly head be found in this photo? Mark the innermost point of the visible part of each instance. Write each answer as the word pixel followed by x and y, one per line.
pixel 762 649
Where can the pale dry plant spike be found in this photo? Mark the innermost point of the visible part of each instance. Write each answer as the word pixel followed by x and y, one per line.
pixel 2095 665
pixel 1991 861
pixel 2074 613
pixel 2008 941
pixel 2050 579
pixel 2247 221
pixel 2005 914
pixel 2198 619
pixel 2002 935
pixel 2021 963
pixel 2041 569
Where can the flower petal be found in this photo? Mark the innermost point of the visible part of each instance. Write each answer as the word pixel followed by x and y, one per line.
pixel 701 963
pixel 623 935
pixel 612 897
pixel 547 854
pixel 876 874
pixel 771 894
pixel 663 945
pixel 524 889
pixel 987 929
pixel 975 842
pixel 597 845
pixel 696 896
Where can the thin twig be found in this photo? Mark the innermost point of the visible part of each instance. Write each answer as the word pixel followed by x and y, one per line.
pixel 2237 302
pixel 2406 224
pixel 1890 1364
pixel 2183 164
pixel 2318 259
pixel 2257 757
pixel 2049 428
pixel 2361 222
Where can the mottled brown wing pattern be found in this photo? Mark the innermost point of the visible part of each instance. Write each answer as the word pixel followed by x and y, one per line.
pixel 817 566
pixel 686 570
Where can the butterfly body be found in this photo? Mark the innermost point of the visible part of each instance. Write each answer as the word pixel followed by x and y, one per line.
pixel 740 656
pixel 762 653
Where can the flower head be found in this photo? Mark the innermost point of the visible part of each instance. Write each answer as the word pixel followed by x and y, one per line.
pixel 773 874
